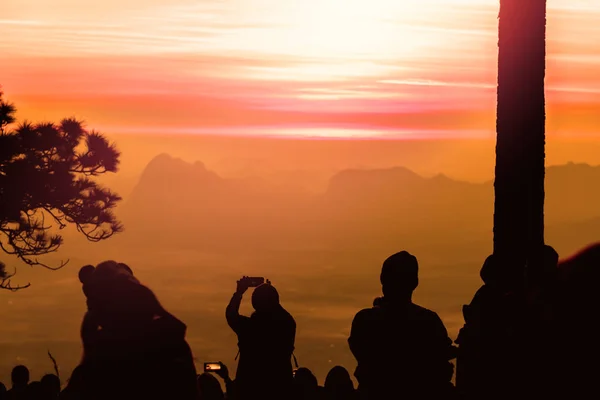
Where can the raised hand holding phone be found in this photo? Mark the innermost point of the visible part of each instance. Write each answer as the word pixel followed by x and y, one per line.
pixel 212 366
pixel 218 368
pixel 242 285
pixel 248 282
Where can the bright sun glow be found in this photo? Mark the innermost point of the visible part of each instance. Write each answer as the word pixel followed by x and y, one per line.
pixel 341 28
pixel 346 38
pixel 380 64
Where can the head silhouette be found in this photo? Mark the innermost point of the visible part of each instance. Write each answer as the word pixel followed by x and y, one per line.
pixel 338 381
pixel 399 275
pixel 497 272
pixel 265 298
pixel 106 271
pixel 97 280
pixel 209 387
pixel 306 383
pixel 115 296
pixel 86 273
pixel 549 267
pixel 20 376
pixel 50 386
pixel 491 270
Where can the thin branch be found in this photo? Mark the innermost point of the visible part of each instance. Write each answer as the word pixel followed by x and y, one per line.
pixel 55 217
pixel 36 263
pixel 6 285
pixel 5 280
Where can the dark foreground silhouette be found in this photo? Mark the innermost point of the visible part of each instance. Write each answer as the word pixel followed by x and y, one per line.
pixel 536 340
pixel 576 305
pixel 539 336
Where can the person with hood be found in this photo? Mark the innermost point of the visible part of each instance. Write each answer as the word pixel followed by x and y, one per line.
pixel 266 344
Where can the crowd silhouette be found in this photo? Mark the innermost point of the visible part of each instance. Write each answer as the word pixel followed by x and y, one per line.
pixel 524 336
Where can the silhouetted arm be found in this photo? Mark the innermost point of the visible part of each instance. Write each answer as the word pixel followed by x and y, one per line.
pixel 229 383
pixel 442 351
pixel 232 313
pixel 89 334
pixel 359 339
pixel 293 336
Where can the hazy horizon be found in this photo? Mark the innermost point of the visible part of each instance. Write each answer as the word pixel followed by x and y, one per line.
pixel 231 154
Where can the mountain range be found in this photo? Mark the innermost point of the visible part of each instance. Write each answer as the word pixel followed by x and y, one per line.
pixel 186 204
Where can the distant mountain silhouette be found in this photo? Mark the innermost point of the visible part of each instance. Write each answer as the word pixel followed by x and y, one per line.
pixel 185 203
pixel 189 205
pixel 397 202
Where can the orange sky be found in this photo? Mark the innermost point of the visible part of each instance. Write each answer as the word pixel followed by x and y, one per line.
pixel 363 68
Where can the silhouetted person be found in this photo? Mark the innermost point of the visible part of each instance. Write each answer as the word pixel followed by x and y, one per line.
pixel 339 385
pixel 75 389
pixel 490 338
pixel 402 349
pixel 50 386
pixel 509 330
pixel 266 344
pixel 34 391
pixel 577 354
pixel 306 385
pixel 20 381
pixel 133 347
pixel 3 391
pixel 223 373
pixel 209 388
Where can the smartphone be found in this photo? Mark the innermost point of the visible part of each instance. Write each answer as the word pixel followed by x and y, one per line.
pixel 254 281
pixel 212 367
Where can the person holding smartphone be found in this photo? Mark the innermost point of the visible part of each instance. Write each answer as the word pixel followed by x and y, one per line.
pixel 222 372
pixel 265 341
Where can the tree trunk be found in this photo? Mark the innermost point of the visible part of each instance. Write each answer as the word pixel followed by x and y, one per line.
pixel 494 360
pixel 520 126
